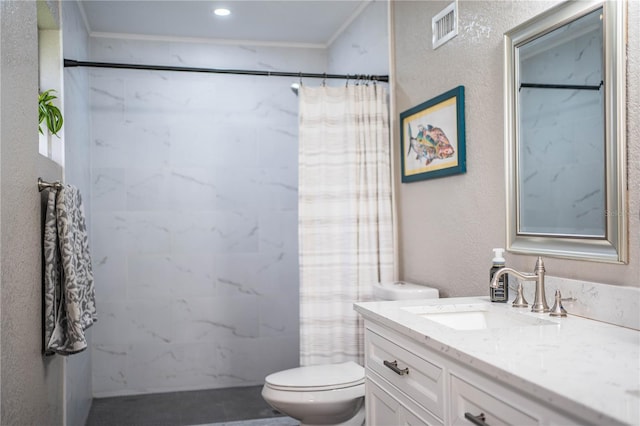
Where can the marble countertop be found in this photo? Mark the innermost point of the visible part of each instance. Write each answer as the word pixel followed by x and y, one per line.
pixel 586 367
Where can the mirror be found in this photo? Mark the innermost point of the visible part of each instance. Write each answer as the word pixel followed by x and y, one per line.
pixel 565 133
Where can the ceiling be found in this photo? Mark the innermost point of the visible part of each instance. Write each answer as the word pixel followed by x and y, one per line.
pixel 289 22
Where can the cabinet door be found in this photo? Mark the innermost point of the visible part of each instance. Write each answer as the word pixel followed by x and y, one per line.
pixel 382 409
pixel 407 418
pixel 385 406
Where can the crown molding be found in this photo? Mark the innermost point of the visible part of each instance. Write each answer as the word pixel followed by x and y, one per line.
pixel 203 40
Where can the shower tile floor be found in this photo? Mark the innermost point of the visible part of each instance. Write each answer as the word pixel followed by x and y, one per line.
pixel 242 406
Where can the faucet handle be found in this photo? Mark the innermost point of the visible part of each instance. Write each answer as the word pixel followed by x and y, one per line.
pixel 558 310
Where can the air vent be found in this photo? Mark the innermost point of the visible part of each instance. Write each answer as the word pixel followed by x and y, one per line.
pixel 444 26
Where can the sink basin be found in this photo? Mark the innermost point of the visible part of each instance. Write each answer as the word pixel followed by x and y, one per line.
pixel 474 317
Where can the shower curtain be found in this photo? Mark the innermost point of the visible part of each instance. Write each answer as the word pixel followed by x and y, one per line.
pixel 345 215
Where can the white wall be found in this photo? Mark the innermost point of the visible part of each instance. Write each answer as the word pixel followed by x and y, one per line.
pixel 194 210
pixel 449 225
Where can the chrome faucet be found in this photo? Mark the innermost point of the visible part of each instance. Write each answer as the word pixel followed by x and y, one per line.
pixel 540 302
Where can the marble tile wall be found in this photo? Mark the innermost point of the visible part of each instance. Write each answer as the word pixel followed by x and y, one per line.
pixel 194 213
pixel 363 47
pixel 77 155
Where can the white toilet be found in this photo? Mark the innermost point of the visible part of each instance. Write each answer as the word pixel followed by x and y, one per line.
pixel 332 394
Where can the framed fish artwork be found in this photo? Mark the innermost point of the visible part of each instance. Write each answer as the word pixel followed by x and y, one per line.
pixel 432 138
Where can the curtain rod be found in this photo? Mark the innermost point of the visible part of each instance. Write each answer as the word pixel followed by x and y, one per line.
pixel 562 86
pixel 72 63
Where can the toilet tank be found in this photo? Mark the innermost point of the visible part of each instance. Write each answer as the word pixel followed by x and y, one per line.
pixel 401 290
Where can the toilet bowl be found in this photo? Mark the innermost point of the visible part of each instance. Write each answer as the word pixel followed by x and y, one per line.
pixel 331 394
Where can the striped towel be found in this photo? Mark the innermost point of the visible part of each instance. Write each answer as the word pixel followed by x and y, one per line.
pixel 69 297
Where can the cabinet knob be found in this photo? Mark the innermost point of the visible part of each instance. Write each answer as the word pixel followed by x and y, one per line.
pixel 393 365
pixel 476 420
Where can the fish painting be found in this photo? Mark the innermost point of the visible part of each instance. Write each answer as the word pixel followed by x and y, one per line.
pixel 430 143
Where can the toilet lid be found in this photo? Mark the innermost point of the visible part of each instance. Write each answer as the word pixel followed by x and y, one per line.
pixel 317 377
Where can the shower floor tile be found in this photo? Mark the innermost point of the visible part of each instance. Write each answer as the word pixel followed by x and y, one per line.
pixel 212 406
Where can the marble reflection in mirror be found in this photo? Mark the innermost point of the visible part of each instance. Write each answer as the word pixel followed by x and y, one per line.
pixel 561 153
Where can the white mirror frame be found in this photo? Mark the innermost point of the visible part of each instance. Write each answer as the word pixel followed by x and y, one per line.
pixel 614 247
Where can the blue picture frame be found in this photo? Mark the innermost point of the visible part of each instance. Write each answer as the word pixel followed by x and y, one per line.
pixel 432 138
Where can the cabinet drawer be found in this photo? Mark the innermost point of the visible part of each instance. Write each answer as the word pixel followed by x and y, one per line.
pixel 418 378
pixel 466 398
pixel 474 394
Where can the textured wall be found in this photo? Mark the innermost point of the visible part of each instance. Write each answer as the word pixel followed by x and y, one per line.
pixel 31 385
pixel 449 225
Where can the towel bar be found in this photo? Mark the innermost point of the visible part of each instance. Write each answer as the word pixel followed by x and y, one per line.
pixel 42 185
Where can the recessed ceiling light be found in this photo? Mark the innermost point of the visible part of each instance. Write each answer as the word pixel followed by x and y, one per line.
pixel 222 11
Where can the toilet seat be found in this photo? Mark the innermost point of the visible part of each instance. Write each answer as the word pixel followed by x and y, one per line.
pixel 317 378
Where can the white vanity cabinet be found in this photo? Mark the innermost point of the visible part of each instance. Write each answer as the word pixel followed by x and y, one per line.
pixel 408 383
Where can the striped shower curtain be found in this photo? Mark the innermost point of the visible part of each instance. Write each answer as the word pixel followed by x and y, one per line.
pixel 345 215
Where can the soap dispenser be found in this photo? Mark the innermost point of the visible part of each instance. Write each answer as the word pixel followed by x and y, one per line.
pixel 501 293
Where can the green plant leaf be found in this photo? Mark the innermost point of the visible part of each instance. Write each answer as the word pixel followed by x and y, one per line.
pixel 49 113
